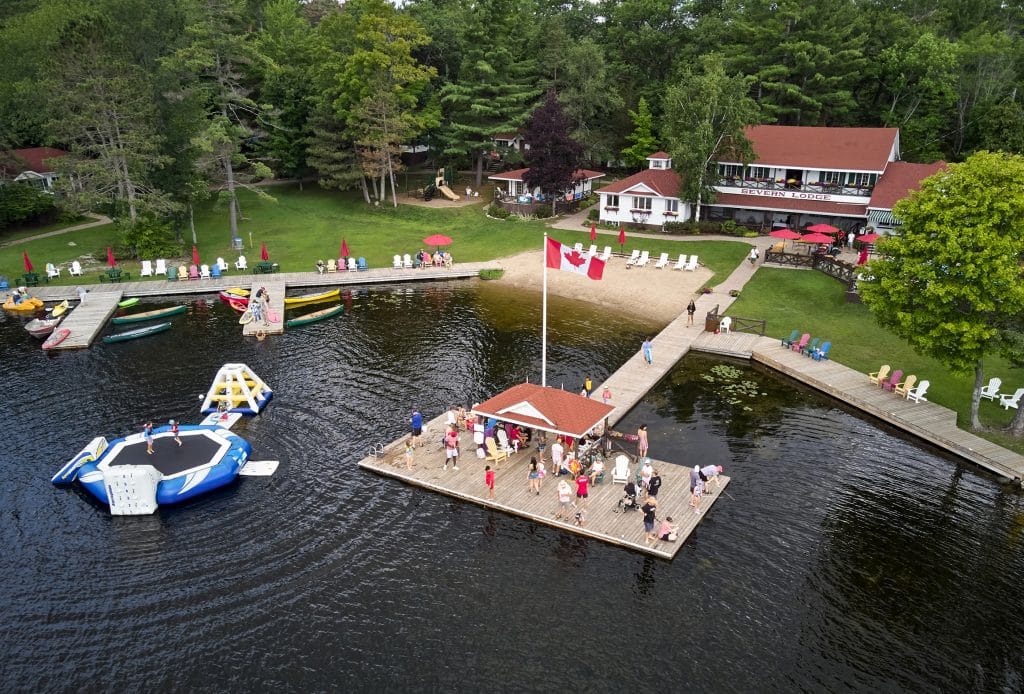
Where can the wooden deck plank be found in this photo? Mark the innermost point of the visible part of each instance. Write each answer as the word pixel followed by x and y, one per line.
pixel 87 319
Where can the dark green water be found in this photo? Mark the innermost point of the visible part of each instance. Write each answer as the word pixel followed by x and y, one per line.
pixel 844 558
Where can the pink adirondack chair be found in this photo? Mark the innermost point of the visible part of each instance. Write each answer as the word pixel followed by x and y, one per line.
pixel 799 346
pixel 890 383
pixel 193 272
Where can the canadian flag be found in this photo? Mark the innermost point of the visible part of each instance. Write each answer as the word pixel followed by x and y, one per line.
pixel 561 257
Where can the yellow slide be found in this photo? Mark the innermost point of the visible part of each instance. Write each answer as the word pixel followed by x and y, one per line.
pixel 447 192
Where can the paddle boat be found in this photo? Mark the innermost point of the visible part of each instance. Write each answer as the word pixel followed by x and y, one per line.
pixel 315 316
pixel 122 475
pixel 26 305
pixel 136 333
pixel 237 388
pixel 290 301
pixel 41 327
pixel 148 315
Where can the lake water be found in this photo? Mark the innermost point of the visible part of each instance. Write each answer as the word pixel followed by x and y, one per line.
pixel 844 556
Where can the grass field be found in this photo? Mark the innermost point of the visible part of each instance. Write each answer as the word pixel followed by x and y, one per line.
pixel 815 303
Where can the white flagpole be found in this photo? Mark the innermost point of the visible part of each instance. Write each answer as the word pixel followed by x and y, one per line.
pixel 544 318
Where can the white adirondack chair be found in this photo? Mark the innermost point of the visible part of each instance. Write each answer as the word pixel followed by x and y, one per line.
pixel 691 265
pixel 75 269
pixel 396 262
pixel 991 391
pixel 662 261
pixel 917 393
pixel 147 269
pixel 645 257
pixel 407 261
pixel 352 265
pixel 681 263
pixel 606 254
pixel 240 264
pixel 52 271
pixel 621 471
pixel 633 257
pixel 204 272
pixel 592 251
pixel 725 325
pixel 161 267
pixel 1008 401
pixel 222 264
pixel 579 247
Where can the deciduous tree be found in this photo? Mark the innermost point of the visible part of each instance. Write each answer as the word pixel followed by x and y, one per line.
pixel 553 156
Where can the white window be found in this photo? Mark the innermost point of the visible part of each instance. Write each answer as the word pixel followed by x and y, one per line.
pixel 611 201
pixel 832 178
pixel 863 179
pixel 657 163
pixel 730 171
pixel 672 206
pixel 759 172
pixel 517 187
pixel 642 202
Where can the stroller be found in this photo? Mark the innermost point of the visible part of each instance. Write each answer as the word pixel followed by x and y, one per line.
pixel 628 502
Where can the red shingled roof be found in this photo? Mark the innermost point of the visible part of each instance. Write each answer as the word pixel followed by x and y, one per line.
pixel 548 409
pixel 518 174
pixel 659 155
pixel 797 147
pixel 789 205
pixel 899 179
pixel 665 182
pixel 34 159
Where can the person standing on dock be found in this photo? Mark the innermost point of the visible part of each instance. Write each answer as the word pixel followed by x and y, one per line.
pixel 588 386
pixel 691 308
pixel 556 456
pixel 654 485
pixel 564 494
pixel 147 433
pixel 451 448
pixel 489 481
pixel 647 348
pixel 649 508
pixel 606 395
pixel 641 441
pixel 409 453
pixel 582 489
pixel 416 422
pixel 694 477
pixel 533 477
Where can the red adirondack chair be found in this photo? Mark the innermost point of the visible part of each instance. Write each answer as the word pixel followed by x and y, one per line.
pixel 799 346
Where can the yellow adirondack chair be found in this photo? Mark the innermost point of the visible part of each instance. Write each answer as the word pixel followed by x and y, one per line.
pixel 902 388
pixel 880 375
pixel 493 452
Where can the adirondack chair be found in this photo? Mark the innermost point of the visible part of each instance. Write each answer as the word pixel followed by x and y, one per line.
pixel 193 272
pixel 822 352
pixel 332 266
pixel 407 261
pixel 809 348
pixel 620 473
pixel 606 253
pixel 991 391
pixel 662 261
pixel 645 257
pixel 878 376
pixel 633 257
pixel 592 251
pixel 341 265
pixel 147 269
pixel 215 271
pixel 917 394
pixel 579 248
pixel 240 264
pixel 691 264
pixel 396 262
pixel 1008 401
pixel 902 389
pixel 798 346
pixel 161 267
pixel 75 269
pixel 204 272
pixel 52 271
pixel 172 274
pixel 681 263
pixel 725 325
pixel 493 452
pixel 352 265
pixel 890 383
pixel 222 264
pixel 787 341
pixel 361 263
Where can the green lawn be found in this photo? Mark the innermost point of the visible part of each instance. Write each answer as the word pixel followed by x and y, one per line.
pixel 813 302
pixel 26 231
pixel 61 250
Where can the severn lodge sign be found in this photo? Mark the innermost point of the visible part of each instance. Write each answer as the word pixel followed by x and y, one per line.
pixel 792 194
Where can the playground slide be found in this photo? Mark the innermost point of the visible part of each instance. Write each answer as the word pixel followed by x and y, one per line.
pixel 447 192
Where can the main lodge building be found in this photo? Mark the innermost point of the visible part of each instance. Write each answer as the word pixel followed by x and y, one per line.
pixel 847 177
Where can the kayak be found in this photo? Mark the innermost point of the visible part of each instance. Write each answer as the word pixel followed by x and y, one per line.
pixel 234 293
pixel 60 309
pixel 246 317
pixel 240 305
pixel 128 302
pixel 316 316
pixel 56 338
pixel 26 305
pixel 41 327
pixel 311 298
pixel 148 315
pixel 137 333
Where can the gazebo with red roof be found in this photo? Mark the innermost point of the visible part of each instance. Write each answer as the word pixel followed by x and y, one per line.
pixel 546 409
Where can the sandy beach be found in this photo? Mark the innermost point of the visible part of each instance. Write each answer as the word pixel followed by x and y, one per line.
pixel 656 295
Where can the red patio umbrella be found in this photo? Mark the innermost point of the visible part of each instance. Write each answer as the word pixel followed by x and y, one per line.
pixel 263 252
pixel 437 240
pixel 593 233
pixel 869 238
pixel 110 258
pixel 28 263
pixel 787 234
pixel 622 238
pixel 823 229
pixel 344 248
pixel 195 255
pixel 816 238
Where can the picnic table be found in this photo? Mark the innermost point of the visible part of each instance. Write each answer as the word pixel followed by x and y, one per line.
pixel 29 279
pixel 265 267
pixel 115 274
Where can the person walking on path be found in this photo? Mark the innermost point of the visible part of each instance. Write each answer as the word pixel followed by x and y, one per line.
pixel 641 441
pixel 606 395
pixel 533 477
pixel 649 508
pixel 451 448
pixel 564 494
pixel 416 421
pixel 174 430
pixel 754 253
pixel 409 454
pixel 691 308
pixel 489 481
pixel 147 433
pixel 849 239
pixel 647 348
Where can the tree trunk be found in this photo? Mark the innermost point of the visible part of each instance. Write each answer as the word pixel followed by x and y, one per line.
pixel 391 173
pixel 366 191
pixel 696 203
pixel 1017 425
pixel 192 223
pixel 979 381
pixel 229 175
pixel 479 168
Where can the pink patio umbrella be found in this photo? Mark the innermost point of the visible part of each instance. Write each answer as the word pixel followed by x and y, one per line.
pixel 869 238
pixel 28 263
pixel 593 233
pixel 264 255
pixel 195 255
pixel 110 258
pixel 344 248
pixel 437 240
pixel 823 229
pixel 622 238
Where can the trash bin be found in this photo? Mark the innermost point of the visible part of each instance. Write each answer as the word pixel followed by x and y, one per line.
pixel 236 243
pixel 711 323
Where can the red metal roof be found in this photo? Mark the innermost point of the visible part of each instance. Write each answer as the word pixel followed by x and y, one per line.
pixel 34 159
pixel 518 174
pixel 752 202
pixel 548 409
pixel 665 182
pixel 659 155
pixel 846 149
pixel 899 179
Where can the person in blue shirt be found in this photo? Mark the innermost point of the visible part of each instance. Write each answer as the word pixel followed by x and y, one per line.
pixel 417 427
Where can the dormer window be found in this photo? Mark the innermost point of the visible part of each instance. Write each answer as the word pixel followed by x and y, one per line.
pixel 659 162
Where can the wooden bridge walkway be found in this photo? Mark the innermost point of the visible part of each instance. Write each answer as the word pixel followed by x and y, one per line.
pixel 87 319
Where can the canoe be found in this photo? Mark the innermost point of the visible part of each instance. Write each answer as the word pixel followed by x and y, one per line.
pixel 41 327
pixel 60 309
pixel 148 315
pixel 316 316
pixel 234 293
pixel 137 333
pixel 58 336
pixel 290 301
pixel 26 305
pixel 128 302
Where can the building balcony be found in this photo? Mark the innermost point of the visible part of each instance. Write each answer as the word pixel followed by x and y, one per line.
pixel 795 184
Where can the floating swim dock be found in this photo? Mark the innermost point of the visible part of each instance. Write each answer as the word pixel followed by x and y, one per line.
pixel 603 521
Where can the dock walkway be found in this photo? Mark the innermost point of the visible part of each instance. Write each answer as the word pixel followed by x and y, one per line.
pixel 269 326
pixel 87 319
pixel 603 519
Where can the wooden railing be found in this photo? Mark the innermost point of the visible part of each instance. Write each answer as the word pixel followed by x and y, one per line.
pixel 748 325
pixel 822 262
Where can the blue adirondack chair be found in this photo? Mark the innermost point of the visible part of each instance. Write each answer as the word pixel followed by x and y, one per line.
pixel 822 352
pixel 361 263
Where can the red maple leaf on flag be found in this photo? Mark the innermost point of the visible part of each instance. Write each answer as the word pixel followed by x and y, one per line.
pixel 575 258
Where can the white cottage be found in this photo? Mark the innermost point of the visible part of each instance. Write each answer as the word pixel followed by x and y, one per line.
pixel 33 166
pixel 510 184
pixel 648 198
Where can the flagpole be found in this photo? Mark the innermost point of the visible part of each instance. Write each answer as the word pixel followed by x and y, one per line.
pixel 544 317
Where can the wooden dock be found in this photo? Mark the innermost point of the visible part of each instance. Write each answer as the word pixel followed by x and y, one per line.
pixel 275 288
pixel 603 519
pixel 87 319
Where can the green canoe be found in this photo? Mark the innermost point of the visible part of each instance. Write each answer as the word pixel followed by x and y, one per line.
pixel 315 316
pixel 137 333
pixel 149 315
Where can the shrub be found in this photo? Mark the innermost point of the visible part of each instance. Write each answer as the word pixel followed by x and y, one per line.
pixel 23 203
pixel 593 215
pixel 497 212
pixel 491 274
pixel 706 290
pixel 147 238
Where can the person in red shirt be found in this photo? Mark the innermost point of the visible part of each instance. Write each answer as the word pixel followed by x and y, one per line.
pixel 582 485
pixel 489 481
